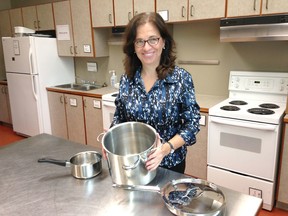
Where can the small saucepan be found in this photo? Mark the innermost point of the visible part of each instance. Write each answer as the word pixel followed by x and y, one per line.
pixel 84 165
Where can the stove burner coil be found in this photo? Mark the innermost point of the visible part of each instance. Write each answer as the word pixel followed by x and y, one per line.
pixel 260 111
pixel 238 102
pixel 269 106
pixel 230 108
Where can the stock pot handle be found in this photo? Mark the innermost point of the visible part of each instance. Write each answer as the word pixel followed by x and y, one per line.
pixel 98 137
pixel 125 167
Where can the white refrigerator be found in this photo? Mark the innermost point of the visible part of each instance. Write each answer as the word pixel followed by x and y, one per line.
pixel 32 64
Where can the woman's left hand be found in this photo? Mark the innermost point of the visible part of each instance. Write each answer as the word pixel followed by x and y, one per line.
pixel 155 158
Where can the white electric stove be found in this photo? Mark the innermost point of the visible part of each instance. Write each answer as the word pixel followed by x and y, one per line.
pixel 244 133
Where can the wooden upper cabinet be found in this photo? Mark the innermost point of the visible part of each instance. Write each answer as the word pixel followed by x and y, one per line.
pixel 74 29
pixel 82 28
pixel 45 17
pixel 141 6
pixel 243 7
pixel 123 12
pixel 102 13
pixel 38 17
pixel 206 9
pixel 64 32
pixel 175 11
pixel 274 6
pixel 15 18
pixel 5 26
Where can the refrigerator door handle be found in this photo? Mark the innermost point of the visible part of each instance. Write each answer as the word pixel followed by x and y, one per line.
pixel 33 83
pixel 31 61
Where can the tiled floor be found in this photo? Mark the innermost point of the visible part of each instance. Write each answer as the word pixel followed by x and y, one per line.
pixel 7 136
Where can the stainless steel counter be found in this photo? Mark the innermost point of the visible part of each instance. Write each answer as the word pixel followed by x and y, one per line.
pixel 30 188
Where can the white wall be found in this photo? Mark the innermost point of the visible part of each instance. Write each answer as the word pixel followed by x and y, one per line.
pixel 200 41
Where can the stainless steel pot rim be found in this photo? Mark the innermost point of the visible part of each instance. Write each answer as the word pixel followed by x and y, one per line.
pixel 121 125
pixel 82 154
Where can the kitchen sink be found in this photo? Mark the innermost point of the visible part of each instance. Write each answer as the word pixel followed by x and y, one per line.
pixel 80 87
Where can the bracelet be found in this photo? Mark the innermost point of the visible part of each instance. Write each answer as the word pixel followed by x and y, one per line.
pixel 171 146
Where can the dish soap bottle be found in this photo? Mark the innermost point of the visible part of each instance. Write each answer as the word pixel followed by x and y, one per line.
pixel 113 79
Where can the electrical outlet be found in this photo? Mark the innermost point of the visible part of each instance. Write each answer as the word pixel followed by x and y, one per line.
pixel 255 192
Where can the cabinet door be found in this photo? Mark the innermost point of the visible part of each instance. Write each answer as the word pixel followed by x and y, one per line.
pixel 75 118
pixel 243 7
pixel 15 18
pixel 102 13
pixel 274 6
pixel 123 12
pixel 147 6
pixel 196 160
pixel 175 11
pixel 45 19
pixel 63 23
pixel 283 171
pixel 30 17
pixel 206 9
pixel 57 114
pixel 5 114
pixel 82 28
pixel 93 120
pixel 5 27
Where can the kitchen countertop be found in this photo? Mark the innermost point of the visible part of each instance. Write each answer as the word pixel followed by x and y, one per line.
pixel 31 188
pixel 3 82
pixel 286 118
pixel 204 101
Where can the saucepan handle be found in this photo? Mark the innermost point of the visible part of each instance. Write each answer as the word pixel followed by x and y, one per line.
pixel 54 161
pixel 148 188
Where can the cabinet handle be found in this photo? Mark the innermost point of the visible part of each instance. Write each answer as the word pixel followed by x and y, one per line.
pixel 129 16
pixel 110 18
pixel 61 99
pixel 71 49
pixel 3 90
pixel 183 11
pixel 75 50
pixel 255 5
pixel 267 4
pixel 35 24
pixel 191 10
pixel 39 24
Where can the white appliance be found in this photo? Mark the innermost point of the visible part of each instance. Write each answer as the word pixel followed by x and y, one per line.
pixel 108 109
pixel 244 134
pixel 32 64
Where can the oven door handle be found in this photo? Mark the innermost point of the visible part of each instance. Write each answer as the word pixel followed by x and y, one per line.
pixel 245 125
pixel 108 104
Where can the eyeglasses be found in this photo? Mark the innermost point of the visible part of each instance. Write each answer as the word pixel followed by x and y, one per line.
pixel 151 41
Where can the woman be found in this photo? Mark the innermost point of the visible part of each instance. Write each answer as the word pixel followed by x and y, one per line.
pixel 155 91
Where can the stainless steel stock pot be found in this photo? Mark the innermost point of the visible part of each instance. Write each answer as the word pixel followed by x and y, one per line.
pixel 127 147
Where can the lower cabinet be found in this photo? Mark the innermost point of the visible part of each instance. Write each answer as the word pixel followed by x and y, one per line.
pixel 282 198
pixel 93 120
pixel 76 118
pixel 196 159
pixel 5 113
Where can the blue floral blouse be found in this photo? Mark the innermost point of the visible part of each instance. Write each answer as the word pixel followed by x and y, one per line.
pixel 170 107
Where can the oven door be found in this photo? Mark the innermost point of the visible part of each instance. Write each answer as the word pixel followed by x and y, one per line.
pixel 245 147
pixel 108 110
